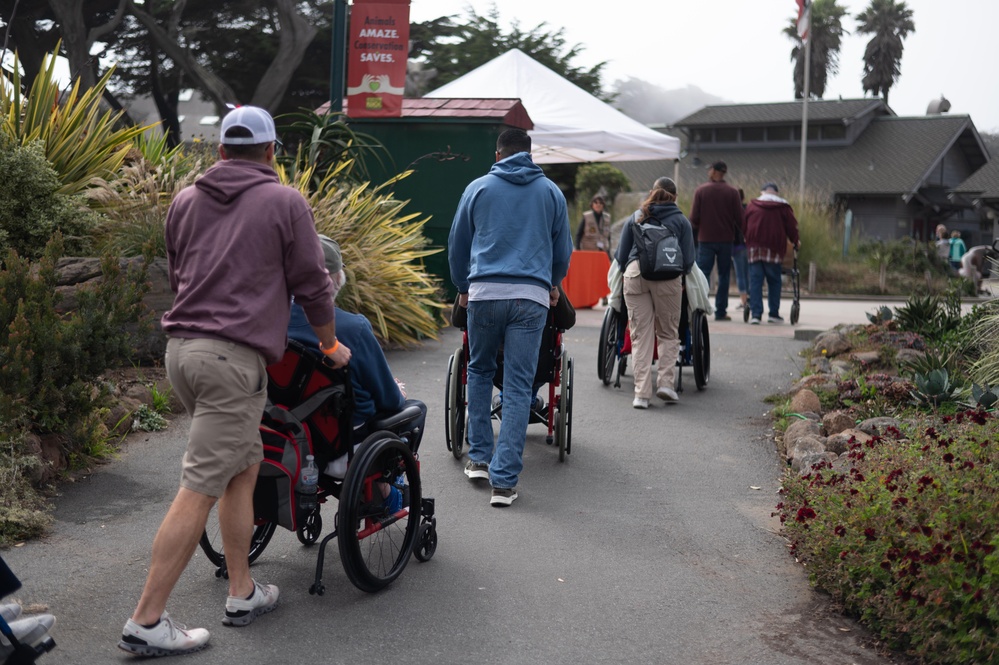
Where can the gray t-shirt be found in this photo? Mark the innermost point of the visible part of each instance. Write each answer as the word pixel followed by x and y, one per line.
pixel 478 291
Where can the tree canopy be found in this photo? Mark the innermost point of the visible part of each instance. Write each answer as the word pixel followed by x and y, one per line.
pixel 889 22
pixel 826 37
pixel 455 47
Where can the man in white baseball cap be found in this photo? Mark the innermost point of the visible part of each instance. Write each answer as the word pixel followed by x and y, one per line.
pixel 239 246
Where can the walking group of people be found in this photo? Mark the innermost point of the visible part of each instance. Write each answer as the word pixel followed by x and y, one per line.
pixel 971 264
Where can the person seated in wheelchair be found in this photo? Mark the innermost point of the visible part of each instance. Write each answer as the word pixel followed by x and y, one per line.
pixel 377 393
pixel 563 317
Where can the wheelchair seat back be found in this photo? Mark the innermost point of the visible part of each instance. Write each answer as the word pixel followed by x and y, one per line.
pixel 318 395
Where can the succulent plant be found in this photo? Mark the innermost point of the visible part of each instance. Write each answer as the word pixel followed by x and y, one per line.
pixel 883 314
pixel 983 397
pixel 933 388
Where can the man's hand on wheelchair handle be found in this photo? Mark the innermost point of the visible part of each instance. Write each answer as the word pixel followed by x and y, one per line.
pixel 553 296
pixel 340 357
pixel 463 300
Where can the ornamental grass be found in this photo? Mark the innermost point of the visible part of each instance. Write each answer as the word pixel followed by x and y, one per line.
pixel 903 532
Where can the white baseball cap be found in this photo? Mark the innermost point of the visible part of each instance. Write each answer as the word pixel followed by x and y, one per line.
pixel 254 119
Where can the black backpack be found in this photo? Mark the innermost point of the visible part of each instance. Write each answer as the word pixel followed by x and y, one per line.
pixel 659 254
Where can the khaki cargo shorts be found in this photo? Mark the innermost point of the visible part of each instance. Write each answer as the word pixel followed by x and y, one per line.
pixel 223 386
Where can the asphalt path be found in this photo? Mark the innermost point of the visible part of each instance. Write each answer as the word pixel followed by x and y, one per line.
pixel 653 542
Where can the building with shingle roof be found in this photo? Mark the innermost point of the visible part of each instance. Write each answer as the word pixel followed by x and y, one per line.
pixel 896 176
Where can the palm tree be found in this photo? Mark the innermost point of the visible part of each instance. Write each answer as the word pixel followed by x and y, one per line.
pixel 890 22
pixel 826 36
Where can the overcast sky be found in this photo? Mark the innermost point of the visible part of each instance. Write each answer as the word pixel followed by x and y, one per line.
pixel 735 48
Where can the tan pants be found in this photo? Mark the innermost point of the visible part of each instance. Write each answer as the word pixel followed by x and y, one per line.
pixel 653 313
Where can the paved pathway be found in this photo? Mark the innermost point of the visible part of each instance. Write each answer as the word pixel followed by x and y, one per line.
pixel 654 542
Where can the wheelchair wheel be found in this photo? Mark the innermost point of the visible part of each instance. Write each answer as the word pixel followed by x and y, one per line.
pixel 607 350
pixel 745 313
pixel 701 343
pixel 308 532
pixel 426 543
pixel 795 311
pixel 211 541
pixel 567 384
pixel 454 404
pixel 375 544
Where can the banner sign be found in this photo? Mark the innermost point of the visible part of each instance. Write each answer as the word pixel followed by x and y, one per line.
pixel 376 66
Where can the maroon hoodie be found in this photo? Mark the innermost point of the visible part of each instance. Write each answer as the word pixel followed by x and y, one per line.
pixel 769 224
pixel 239 245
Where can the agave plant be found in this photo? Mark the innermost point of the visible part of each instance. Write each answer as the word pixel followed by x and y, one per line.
pixel 383 251
pixel 934 388
pixel 882 315
pixel 918 313
pixel 983 397
pixel 81 140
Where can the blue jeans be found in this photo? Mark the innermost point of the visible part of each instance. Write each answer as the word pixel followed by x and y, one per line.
pixel 707 253
pixel 757 271
pixel 741 264
pixel 517 325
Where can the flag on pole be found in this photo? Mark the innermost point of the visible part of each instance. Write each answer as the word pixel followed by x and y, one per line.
pixel 804 17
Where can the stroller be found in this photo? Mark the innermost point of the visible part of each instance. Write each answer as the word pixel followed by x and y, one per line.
pixel 310 408
pixel 555 368
pixel 614 345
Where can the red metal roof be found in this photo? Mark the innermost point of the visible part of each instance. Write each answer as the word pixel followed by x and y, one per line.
pixel 510 111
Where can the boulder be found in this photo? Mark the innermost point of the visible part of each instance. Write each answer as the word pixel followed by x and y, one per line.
pixel 832 342
pixel 814 382
pixel 803 465
pixel 805 445
pixel 820 364
pixel 876 426
pixel 54 460
pixel 841 368
pixel 835 422
pixel 841 442
pixel 805 400
pixel 866 358
pixel 798 428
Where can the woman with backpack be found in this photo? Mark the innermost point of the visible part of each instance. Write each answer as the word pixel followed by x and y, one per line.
pixel 656 249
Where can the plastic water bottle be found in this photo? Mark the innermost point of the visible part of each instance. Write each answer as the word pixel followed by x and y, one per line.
pixel 308 484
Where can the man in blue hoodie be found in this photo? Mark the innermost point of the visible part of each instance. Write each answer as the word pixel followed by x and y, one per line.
pixel 508 251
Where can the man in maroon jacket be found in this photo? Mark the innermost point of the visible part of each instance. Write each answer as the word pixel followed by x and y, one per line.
pixel 239 246
pixel 770 224
pixel 715 217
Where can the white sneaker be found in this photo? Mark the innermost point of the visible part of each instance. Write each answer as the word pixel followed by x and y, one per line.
pixel 10 611
pixel 28 630
pixel 640 403
pixel 667 395
pixel 755 321
pixel 166 638
pixel 242 611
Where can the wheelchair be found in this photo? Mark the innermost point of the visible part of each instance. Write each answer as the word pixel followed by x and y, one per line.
pixel 555 368
pixel 375 542
pixel 614 345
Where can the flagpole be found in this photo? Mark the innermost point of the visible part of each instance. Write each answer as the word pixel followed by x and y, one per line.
pixel 804 113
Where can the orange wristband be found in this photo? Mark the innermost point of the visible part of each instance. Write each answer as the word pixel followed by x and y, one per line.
pixel 330 351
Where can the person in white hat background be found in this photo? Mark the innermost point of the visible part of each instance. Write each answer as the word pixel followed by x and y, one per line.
pixel 240 245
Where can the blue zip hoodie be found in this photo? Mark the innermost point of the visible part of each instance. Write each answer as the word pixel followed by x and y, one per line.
pixel 511 227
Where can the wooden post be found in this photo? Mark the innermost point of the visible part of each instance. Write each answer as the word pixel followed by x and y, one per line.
pixel 812 276
pixel 883 277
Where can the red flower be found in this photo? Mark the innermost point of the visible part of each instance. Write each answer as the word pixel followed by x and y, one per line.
pixel 869 534
pixel 840 530
pixel 805 513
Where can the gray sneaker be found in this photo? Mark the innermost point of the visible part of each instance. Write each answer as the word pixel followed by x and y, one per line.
pixel 27 630
pixel 242 611
pixel 503 497
pixel 477 470
pixel 10 611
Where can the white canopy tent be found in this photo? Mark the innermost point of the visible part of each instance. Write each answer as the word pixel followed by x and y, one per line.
pixel 570 124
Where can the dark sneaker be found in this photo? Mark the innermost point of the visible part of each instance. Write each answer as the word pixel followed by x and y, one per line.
pixel 242 611
pixel 723 317
pixel 477 470
pixel 503 497
pixel 755 321
pixel 538 404
pixel 773 318
pixel 166 638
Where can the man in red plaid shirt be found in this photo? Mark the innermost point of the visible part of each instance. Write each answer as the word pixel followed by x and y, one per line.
pixel 768 226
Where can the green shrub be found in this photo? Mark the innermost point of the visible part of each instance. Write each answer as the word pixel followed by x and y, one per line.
pixel 48 360
pixel 603 178
pixel 31 207
pixel 906 536
pixel 383 251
